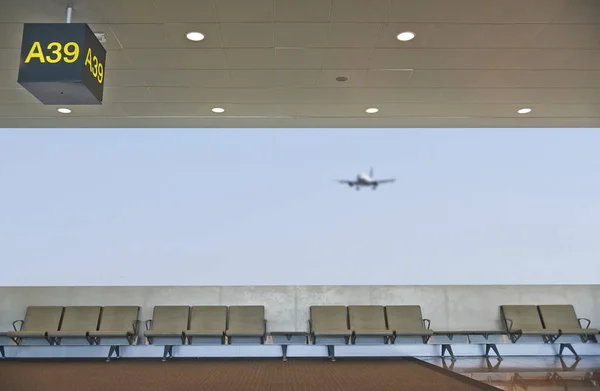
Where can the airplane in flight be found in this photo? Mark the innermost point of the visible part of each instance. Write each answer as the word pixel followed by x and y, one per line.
pixel 366 180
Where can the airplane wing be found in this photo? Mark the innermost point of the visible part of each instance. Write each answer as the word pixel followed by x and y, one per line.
pixel 346 182
pixel 380 181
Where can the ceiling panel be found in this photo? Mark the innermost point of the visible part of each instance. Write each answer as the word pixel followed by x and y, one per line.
pixel 178 58
pixel 484 36
pixel 183 77
pixel 184 11
pixel 128 94
pixel 8 79
pixel 130 11
pixel 347 58
pixel 504 78
pixel 247 34
pixel 11 34
pixel 10 59
pixel 252 78
pixel 301 58
pixel 577 11
pixel 274 63
pixel 259 58
pixel 354 34
pixel 388 78
pixel 244 10
pixel 123 78
pixel 293 35
pixel 360 10
pixel 297 78
pixel 141 36
pixel 303 10
pixel 16 96
pixel 118 60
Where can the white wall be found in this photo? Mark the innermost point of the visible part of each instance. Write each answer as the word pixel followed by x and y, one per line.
pixel 287 307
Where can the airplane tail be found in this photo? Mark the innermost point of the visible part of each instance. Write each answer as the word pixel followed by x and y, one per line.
pixel 371 172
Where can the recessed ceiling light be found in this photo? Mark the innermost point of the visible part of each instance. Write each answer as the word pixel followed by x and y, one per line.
pixel 524 110
pixel 64 110
pixel 195 36
pixel 218 110
pixel 405 36
pixel 372 110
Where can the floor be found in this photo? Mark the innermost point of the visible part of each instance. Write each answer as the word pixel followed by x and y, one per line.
pixel 528 373
pixel 404 374
pixel 435 374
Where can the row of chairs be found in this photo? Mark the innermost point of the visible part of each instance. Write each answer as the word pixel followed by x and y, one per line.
pixel 390 322
pixel 329 325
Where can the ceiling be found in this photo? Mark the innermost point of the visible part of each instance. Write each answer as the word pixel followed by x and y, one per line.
pixel 274 63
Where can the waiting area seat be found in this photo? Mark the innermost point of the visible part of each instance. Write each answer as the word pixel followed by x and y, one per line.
pixel 525 320
pixel 329 326
pixel 563 318
pixel 38 322
pixel 119 326
pixel 407 321
pixel 247 325
pixel 207 325
pixel 77 323
pixel 368 324
pixel 167 327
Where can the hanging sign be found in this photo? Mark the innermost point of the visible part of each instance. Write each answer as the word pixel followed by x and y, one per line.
pixel 62 64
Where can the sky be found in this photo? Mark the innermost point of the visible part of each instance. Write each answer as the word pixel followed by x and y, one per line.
pixel 261 207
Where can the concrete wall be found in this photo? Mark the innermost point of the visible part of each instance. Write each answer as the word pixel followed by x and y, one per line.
pixel 287 307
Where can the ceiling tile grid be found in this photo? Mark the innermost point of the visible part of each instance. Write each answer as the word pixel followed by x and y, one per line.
pixel 279 62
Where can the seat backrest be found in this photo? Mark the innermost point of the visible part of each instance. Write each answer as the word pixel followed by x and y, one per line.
pixel 118 318
pixel 404 317
pixel 523 317
pixel 170 318
pixel 45 318
pixel 208 318
pixel 80 318
pixel 366 317
pixel 559 317
pixel 328 318
pixel 248 317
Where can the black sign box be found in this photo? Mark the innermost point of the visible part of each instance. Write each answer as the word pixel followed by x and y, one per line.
pixel 62 64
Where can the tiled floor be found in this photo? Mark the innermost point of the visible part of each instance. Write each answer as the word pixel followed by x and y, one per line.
pixel 529 373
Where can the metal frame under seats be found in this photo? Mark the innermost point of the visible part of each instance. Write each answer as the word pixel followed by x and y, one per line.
pixel 4 341
pixel 167 327
pixel 525 320
pixel 36 325
pixel 368 324
pixel 285 338
pixel 407 323
pixel 76 324
pixel 247 325
pixel 207 325
pixel 119 326
pixel 563 318
pixel 329 326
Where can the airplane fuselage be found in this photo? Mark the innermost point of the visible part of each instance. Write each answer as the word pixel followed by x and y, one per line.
pixel 364 180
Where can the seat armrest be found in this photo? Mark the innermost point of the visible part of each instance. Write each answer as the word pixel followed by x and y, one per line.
pixel 15 324
pixel 586 326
